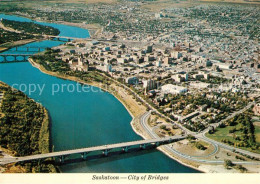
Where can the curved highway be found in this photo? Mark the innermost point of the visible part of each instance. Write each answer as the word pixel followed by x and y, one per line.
pixel 143 120
pixel 187 131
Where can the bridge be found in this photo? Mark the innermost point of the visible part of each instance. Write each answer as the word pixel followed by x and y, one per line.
pixel 105 149
pixel 15 56
pixel 61 37
pixel 28 49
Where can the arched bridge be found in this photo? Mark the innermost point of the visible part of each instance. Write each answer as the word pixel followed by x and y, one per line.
pixel 16 57
pixel 105 149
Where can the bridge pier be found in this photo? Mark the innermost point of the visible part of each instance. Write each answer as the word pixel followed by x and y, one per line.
pixel 61 159
pixel 105 149
pixel 84 156
pixel 125 149
pixel 15 57
pixel 5 60
pixel 105 152
pixel 142 146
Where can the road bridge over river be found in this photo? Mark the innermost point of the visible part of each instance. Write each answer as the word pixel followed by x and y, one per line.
pixel 104 149
pixel 16 57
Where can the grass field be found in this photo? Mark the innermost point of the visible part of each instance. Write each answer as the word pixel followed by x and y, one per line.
pixel 85 1
pixel 234 1
pixel 257 132
pixel 223 133
pixel 161 4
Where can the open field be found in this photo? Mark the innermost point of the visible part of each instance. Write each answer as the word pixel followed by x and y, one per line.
pixel 223 133
pixel 257 131
pixel 85 1
pixel 189 148
pixel 234 1
pixel 162 4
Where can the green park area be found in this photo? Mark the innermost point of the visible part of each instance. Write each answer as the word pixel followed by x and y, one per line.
pixel 242 131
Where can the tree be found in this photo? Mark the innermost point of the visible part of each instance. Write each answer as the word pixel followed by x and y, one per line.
pixel 241 168
pixel 228 163
pixel 190 137
pixel 163 127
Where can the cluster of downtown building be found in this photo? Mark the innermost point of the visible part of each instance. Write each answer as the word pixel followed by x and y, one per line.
pixel 206 50
pixel 157 72
pixel 228 33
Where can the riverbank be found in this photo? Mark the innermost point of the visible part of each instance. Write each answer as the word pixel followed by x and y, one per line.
pixel 134 108
pixel 39 133
pixel 25 29
pixel 136 112
pixel 9 45
pixel 93 29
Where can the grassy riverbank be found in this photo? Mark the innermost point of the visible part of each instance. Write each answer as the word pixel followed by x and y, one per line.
pixel 136 109
pixel 24 130
pixel 15 33
pixel 9 45
pixel 96 79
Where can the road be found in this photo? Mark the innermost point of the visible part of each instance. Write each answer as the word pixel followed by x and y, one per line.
pixel 147 128
pixel 231 148
pixel 92 149
pixel 187 131
pixel 230 116
pixel 197 135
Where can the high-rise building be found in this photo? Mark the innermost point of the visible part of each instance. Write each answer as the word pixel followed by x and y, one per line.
pixel 149 84
pixel 149 49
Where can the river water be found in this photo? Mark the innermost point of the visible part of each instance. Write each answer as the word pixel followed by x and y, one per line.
pixel 83 119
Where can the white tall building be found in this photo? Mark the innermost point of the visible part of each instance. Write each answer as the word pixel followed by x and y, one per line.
pixel 158 63
pixel 149 84
pixel 173 89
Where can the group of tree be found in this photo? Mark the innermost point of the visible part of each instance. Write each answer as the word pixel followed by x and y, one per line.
pixel 30 27
pixel 228 164
pixel 243 131
pixel 20 128
pixel 49 60
pixel 8 36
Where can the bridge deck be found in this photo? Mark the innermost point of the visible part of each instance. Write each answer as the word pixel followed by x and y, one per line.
pixel 16 54
pixel 66 37
pixel 91 149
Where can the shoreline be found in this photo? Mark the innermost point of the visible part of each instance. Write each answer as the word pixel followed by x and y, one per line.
pixel 92 29
pixel 36 65
pixel 43 142
pixel 142 133
pixel 99 85
pixel 6 46
pixel 164 151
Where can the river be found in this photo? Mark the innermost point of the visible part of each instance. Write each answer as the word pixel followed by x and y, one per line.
pixel 84 119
